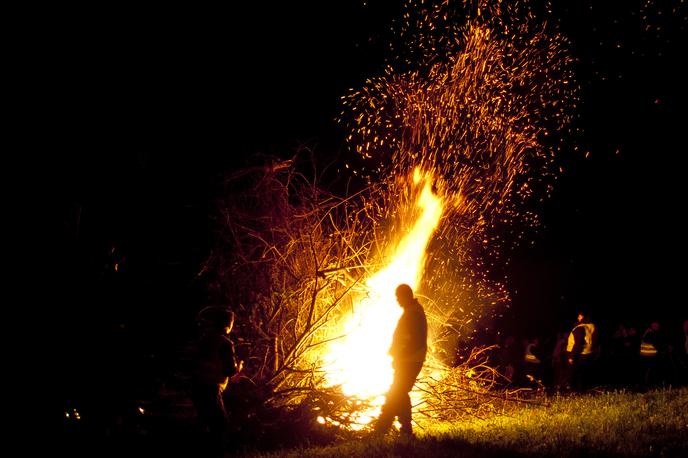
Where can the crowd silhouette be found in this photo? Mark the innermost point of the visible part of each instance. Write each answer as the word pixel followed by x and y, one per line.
pixel 636 356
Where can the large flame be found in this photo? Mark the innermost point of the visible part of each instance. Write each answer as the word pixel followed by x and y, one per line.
pixel 472 101
pixel 360 362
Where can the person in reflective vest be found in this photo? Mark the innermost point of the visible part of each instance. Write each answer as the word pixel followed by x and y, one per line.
pixel 532 352
pixel 581 350
pixel 533 362
pixel 647 343
pixel 651 346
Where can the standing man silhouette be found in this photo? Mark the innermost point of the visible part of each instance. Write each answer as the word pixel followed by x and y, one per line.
pixel 581 351
pixel 215 367
pixel 408 350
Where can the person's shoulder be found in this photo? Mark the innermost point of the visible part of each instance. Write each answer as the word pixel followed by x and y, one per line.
pixel 418 310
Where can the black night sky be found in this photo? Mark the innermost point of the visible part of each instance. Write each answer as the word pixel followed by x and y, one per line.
pixel 147 110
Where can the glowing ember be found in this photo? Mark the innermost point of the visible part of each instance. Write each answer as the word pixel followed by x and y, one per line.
pixel 474 95
pixel 360 362
pixel 472 103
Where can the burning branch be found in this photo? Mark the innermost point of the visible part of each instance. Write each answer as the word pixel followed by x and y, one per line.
pixel 310 274
pixel 289 258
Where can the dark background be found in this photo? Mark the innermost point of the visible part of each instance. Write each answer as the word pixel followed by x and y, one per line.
pixel 612 240
pixel 145 110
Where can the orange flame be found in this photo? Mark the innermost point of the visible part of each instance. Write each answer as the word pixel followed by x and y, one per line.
pixel 360 362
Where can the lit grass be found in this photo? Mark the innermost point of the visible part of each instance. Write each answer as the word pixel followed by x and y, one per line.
pixel 604 424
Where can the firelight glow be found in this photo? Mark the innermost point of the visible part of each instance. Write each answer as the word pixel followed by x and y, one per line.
pixel 360 362
pixel 469 95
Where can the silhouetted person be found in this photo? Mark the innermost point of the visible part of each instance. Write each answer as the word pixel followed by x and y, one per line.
pixel 215 364
pixel 653 356
pixel 532 361
pixel 510 359
pixel 408 350
pixel 559 361
pixel 684 355
pixel 685 337
pixel 624 355
pixel 581 349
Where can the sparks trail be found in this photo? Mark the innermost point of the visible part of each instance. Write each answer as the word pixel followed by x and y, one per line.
pixel 479 97
pixel 476 115
pixel 458 143
pixel 473 106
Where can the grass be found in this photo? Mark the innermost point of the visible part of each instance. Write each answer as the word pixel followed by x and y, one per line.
pixel 601 424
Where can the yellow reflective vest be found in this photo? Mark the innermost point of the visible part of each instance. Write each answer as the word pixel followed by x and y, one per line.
pixel 647 349
pixel 588 345
pixel 530 356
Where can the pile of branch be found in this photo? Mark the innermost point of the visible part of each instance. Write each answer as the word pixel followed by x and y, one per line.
pixel 472 389
pixel 290 262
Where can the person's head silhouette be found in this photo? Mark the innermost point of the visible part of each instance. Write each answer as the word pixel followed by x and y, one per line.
pixel 404 295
